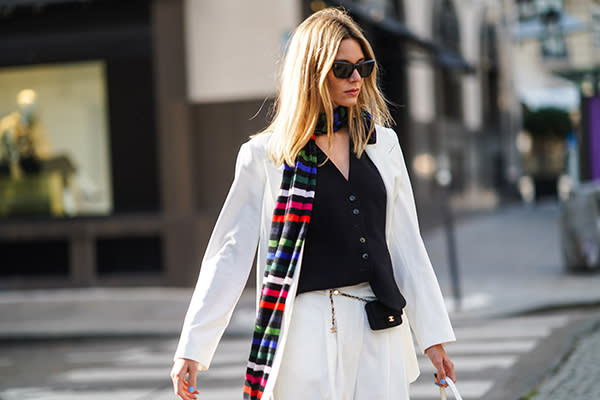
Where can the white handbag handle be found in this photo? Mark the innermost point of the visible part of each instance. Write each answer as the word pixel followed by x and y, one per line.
pixel 452 387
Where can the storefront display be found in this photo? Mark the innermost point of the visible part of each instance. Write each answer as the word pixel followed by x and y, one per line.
pixel 54 142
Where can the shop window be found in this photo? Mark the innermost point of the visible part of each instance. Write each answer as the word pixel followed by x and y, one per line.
pixel 34 258
pixel 544 19
pixel 553 43
pixel 54 142
pixel 448 35
pixel 128 255
pixel 526 9
pixel 386 8
pixel 490 77
pixel 389 8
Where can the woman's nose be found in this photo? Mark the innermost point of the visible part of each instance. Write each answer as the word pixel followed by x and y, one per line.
pixel 355 76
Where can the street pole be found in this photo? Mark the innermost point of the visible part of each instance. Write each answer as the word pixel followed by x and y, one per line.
pixel 444 179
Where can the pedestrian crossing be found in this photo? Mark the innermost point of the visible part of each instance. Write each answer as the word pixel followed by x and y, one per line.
pixel 141 371
pixel 483 350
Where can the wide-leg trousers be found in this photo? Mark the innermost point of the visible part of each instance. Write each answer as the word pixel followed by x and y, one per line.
pixel 353 363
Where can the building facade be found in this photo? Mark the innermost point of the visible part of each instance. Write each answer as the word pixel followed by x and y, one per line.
pixel 559 51
pixel 464 122
pixel 145 104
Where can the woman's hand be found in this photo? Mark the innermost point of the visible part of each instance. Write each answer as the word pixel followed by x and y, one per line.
pixel 182 367
pixel 440 360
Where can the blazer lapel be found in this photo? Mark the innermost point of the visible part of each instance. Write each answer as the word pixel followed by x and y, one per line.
pixel 274 175
pixel 379 153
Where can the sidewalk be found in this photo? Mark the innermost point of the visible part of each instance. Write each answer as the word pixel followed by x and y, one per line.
pixel 564 366
pixel 509 264
pixel 576 375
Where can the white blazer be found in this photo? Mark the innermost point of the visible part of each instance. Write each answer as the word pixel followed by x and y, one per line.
pixel 245 221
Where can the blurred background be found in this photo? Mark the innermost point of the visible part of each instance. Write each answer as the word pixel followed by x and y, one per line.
pixel 120 122
pixel 121 119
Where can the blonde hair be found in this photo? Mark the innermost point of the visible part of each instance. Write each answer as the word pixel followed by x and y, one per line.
pixel 303 90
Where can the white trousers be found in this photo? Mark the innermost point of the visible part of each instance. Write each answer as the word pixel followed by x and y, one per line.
pixel 355 363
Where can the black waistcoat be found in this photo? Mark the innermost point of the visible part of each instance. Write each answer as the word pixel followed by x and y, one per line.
pixel 345 243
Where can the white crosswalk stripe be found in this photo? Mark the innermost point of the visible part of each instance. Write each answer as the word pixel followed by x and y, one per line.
pixel 473 364
pixel 45 394
pixel 483 349
pixel 492 347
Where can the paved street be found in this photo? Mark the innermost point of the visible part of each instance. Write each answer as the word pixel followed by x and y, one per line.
pixel 113 369
pixel 117 343
pixel 486 350
pixel 126 369
pixel 510 261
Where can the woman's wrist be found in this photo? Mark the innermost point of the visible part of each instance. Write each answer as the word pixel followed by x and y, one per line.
pixel 435 346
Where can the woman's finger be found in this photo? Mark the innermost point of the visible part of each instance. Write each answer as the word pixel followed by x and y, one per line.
pixel 441 362
pixel 441 375
pixel 189 391
pixel 180 387
pixel 439 381
pixel 176 380
pixel 449 368
pixel 438 363
pixel 191 381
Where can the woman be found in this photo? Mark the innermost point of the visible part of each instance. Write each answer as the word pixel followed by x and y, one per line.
pixel 325 192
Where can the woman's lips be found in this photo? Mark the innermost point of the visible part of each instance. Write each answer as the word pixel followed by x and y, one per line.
pixel 352 92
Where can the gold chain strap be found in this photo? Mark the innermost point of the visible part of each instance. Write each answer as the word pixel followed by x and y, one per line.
pixel 339 293
pixel 333 327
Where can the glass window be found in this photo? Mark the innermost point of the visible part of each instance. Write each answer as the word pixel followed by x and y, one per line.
pixel 448 29
pixel 448 35
pixel 527 9
pixel 54 142
pixel 389 8
pixel 595 26
pixel 553 42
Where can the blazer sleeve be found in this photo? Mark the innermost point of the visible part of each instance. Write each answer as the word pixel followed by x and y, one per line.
pixel 425 306
pixel 227 261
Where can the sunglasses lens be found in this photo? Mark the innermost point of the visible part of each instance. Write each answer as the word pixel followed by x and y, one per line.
pixel 365 68
pixel 342 70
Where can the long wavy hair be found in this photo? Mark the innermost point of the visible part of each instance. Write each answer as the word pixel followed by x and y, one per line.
pixel 303 91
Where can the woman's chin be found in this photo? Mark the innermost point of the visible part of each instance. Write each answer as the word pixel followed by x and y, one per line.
pixel 345 102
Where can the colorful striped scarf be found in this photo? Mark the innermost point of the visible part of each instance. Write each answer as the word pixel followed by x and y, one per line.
pixel 291 218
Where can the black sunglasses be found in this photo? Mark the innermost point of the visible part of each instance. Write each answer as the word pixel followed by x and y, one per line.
pixel 343 69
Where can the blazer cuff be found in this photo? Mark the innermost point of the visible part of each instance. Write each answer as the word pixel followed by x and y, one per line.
pixel 439 340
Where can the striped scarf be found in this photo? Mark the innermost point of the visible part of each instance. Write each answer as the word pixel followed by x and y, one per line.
pixel 288 230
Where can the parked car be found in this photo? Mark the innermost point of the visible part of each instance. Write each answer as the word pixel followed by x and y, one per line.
pixel 580 228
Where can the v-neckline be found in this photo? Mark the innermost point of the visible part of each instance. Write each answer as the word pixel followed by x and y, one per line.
pixel 330 160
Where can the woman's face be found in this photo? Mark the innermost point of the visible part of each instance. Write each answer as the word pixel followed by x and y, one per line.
pixel 344 92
